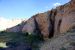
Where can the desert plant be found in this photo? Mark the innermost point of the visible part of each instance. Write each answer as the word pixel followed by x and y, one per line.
pixel 62 48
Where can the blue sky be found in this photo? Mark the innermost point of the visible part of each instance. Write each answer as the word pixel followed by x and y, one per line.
pixel 26 8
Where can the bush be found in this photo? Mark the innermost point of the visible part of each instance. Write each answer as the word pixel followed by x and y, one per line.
pixel 13 39
pixel 2 31
pixel 62 48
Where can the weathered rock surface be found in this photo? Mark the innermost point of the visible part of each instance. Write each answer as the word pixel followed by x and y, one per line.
pixel 62 42
pixel 50 23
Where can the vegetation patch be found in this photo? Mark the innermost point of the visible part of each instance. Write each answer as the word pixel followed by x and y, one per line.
pixel 14 39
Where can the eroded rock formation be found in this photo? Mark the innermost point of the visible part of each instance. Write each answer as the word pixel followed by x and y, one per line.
pixel 50 23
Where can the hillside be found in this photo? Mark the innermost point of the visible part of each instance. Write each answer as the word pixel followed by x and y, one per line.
pixel 62 42
pixel 56 27
pixel 49 23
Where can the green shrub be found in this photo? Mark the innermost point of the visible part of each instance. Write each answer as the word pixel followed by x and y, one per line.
pixel 2 31
pixel 62 48
pixel 17 37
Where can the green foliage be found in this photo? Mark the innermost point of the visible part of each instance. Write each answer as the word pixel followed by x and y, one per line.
pixel 2 31
pixel 33 40
pixel 12 37
pixel 62 48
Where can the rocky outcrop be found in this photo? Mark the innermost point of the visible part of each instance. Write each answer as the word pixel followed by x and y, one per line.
pixel 50 23
pixel 62 42
pixel 65 18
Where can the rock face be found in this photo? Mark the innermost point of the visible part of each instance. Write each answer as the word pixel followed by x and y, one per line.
pixel 50 23
pixel 62 42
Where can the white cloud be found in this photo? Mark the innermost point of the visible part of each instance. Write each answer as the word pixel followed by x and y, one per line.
pixel 56 4
pixel 7 23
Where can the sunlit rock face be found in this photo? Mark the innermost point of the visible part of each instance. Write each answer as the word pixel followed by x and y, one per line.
pixel 53 22
pixel 29 26
pixel 65 18
pixel 37 23
pixel 50 23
